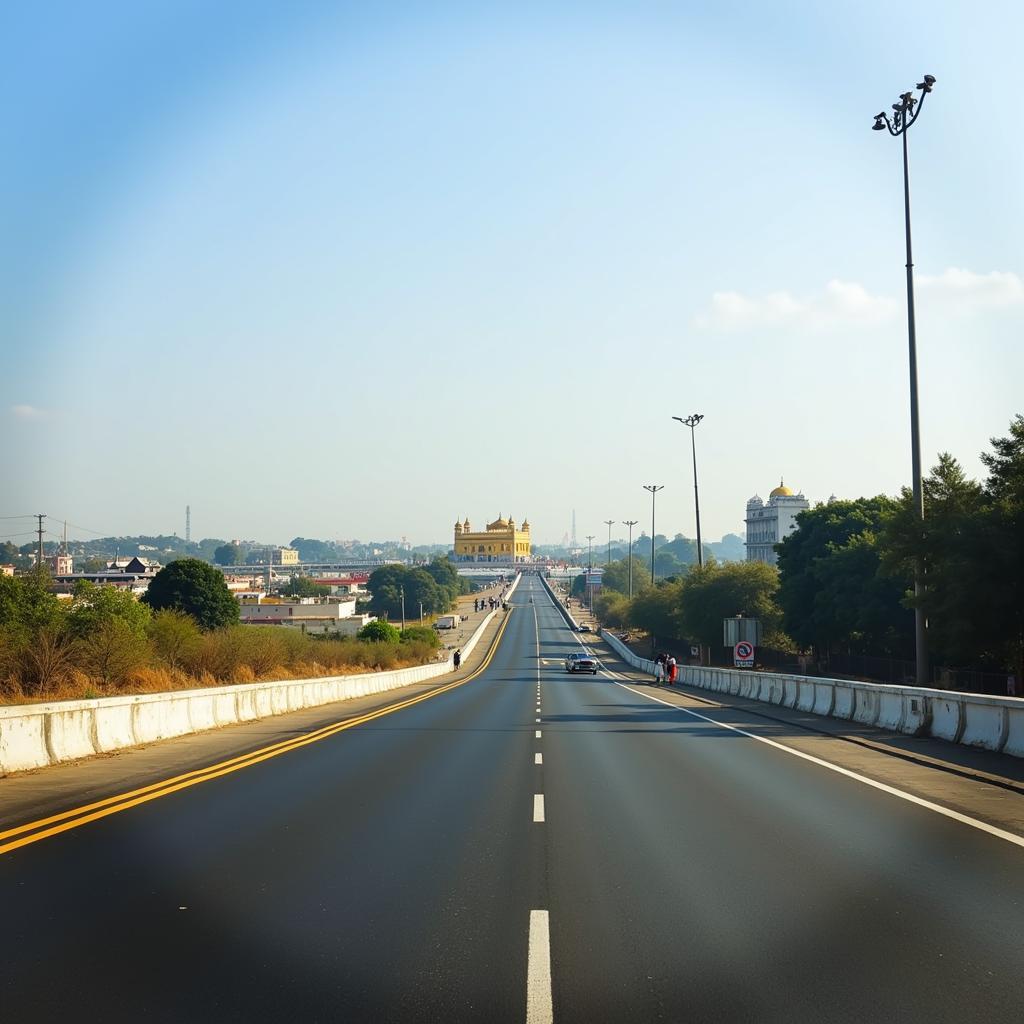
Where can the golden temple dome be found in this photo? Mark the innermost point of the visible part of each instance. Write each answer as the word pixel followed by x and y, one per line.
pixel 782 491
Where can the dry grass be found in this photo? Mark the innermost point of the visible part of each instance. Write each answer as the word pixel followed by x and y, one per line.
pixel 239 654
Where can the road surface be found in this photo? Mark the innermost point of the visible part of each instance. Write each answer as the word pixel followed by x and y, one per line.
pixel 526 846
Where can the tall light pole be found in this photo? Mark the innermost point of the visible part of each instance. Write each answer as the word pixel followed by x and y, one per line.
pixel 691 422
pixel 904 115
pixel 609 523
pixel 590 568
pixel 630 523
pixel 403 607
pixel 653 488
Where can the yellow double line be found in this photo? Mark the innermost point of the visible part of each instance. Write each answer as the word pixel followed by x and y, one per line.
pixel 43 828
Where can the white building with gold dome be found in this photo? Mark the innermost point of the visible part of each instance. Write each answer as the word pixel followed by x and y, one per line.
pixel 501 541
pixel 770 522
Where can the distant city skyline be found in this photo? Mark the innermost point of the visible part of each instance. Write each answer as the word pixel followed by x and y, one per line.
pixel 335 271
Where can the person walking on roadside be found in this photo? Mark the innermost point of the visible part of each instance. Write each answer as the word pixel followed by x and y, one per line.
pixel 671 670
pixel 659 669
pixel 456 660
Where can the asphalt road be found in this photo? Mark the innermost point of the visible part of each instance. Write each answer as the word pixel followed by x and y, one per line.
pixel 398 871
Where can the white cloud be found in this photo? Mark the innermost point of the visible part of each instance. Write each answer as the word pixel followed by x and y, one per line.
pixel 848 302
pixel 27 412
pixel 968 291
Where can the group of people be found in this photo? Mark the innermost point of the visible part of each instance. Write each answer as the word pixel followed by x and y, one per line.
pixel 666 670
pixel 480 603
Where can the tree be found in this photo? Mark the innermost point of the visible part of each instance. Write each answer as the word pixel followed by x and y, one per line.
pixel 656 609
pixel 422 634
pixel 612 608
pixel 33 638
pixel 196 588
pixel 379 632
pixel 228 554
pixel 303 586
pixel 616 576
pixel 822 590
pixel 716 592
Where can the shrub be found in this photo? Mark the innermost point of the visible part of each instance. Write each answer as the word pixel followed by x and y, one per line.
pixel 379 632
pixel 421 634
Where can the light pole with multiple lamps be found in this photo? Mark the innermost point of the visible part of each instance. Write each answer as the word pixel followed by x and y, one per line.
pixel 903 117
pixel 630 523
pixel 653 488
pixel 691 422
pixel 609 523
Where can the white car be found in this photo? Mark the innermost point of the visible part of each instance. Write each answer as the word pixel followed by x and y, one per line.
pixel 580 661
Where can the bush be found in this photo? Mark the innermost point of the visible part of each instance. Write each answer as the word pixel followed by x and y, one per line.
pixel 379 632
pixel 421 634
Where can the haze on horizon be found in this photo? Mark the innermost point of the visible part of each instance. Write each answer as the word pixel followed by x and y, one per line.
pixel 345 273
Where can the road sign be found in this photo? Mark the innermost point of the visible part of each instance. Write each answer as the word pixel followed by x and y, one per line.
pixel 743 654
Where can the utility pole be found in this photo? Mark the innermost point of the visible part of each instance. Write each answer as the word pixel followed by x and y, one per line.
pixel 609 523
pixel 630 523
pixel 403 607
pixel 421 613
pixel 590 569
pixel 653 488
pixel 188 524
pixel 39 559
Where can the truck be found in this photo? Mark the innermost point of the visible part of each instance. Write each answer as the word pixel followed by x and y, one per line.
pixel 447 622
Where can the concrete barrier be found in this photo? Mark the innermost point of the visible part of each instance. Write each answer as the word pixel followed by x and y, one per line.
pixel 973 719
pixel 36 735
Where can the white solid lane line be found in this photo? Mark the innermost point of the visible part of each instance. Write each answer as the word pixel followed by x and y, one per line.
pixel 538 971
pixel 891 790
pixel 538 806
pixel 538 758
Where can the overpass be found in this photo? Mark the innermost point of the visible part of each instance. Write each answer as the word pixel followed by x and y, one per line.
pixel 517 843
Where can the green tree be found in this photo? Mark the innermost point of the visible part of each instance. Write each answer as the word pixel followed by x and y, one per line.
pixel 616 576
pixel 303 586
pixel 612 608
pixel 833 600
pixel 656 609
pixel 196 588
pixel 716 592
pixel 109 626
pixel 33 639
pixel 228 554
pixel 379 632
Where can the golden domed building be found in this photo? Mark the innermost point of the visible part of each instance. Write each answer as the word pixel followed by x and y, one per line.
pixel 500 541
pixel 770 522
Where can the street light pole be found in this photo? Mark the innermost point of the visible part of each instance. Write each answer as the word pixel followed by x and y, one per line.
pixel 653 488
pixel 609 523
pixel 590 569
pixel 691 422
pixel 630 523
pixel 403 607
pixel 904 115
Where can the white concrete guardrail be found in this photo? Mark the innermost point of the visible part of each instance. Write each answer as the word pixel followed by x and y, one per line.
pixel 36 735
pixel 573 624
pixel 973 719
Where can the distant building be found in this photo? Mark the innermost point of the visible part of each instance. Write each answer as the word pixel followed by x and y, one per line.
pixel 6 570
pixel 770 522
pixel 276 556
pixel 499 542
pixel 61 564
pixel 131 574
pixel 309 615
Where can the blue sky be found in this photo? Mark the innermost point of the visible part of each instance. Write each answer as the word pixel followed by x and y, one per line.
pixel 349 272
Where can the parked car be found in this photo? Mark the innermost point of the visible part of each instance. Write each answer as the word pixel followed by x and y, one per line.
pixel 584 627
pixel 580 661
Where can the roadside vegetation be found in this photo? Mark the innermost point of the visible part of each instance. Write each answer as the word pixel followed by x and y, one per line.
pixel 844 582
pixel 184 634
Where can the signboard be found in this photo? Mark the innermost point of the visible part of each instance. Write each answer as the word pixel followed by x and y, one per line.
pixel 741 628
pixel 743 654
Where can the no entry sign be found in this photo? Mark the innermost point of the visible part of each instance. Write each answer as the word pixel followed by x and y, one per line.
pixel 743 655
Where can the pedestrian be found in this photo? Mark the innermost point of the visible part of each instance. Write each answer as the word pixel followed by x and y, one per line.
pixel 659 669
pixel 476 605
pixel 671 670
pixel 457 660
